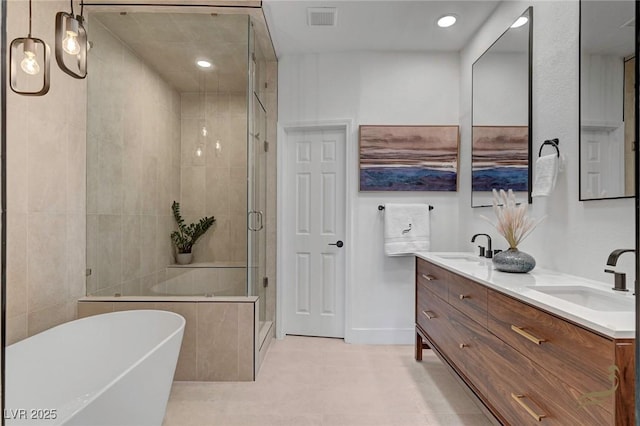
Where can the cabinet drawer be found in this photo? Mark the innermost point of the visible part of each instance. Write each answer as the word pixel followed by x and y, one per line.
pixel 437 319
pixel 432 277
pixel 582 358
pixel 469 298
pixel 498 371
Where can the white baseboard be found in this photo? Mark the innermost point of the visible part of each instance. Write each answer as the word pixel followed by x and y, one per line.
pixel 381 336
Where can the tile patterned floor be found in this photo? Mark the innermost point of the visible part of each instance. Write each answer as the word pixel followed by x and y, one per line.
pixel 307 381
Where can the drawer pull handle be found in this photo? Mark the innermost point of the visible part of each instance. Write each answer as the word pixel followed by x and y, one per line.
pixel 428 314
pixel 462 297
pixel 527 335
pixel 428 277
pixel 463 345
pixel 533 414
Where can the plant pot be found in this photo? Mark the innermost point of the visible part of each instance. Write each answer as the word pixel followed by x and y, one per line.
pixel 184 258
pixel 513 260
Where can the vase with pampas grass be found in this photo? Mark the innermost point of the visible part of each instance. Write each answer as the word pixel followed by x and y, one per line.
pixel 514 225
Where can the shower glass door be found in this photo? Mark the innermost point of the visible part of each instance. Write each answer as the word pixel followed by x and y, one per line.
pixel 257 188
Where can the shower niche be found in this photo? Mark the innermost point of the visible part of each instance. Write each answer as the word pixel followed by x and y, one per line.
pixel 181 107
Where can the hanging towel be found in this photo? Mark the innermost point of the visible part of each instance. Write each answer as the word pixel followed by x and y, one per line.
pixel 546 173
pixel 406 229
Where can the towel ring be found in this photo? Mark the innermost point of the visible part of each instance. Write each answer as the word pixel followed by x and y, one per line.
pixel 553 142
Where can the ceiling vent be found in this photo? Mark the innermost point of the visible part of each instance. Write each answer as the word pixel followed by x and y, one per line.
pixel 322 16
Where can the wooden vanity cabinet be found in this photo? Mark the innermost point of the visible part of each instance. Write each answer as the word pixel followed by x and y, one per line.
pixel 526 365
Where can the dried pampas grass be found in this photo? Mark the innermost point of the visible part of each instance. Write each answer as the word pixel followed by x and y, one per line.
pixel 513 223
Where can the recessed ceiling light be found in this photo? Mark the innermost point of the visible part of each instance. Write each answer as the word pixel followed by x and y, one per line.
pixel 446 21
pixel 520 22
pixel 203 63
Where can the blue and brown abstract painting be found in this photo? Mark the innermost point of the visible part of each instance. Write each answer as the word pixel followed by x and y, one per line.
pixel 500 158
pixel 408 158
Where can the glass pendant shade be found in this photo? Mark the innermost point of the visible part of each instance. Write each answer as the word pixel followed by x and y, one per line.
pixel 71 45
pixel 29 63
pixel 29 79
pixel 28 67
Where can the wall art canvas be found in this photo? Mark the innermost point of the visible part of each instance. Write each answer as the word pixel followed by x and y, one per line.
pixel 408 158
pixel 500 158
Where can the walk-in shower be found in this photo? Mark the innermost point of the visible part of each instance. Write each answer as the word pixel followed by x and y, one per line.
pixel 180 106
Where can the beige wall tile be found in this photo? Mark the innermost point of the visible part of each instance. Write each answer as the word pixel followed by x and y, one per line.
pixel 92 253
pixel 17 264
pixel 87 309
pixel 191 105
pixel 109 196
pixel 131 288
pixel 131 247
pixel 217 341
pixel 109 291
pixel 47 156
pixel 16 328
pixel 40 320
pixel 193 181
pixel 132 306
pixel 164 246
pixel 150 184
pixel 92 173
pixel 77 152
pixel 148 240
pixel 132 171
pixel 76 255
pixel 47 260
pixel 246 341
pixel 109 258
pixel 17 152
pixel 186 368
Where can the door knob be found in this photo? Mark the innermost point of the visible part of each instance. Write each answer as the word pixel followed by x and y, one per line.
pixel 337 243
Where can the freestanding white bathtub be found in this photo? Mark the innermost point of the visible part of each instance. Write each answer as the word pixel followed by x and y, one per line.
pixel 112 369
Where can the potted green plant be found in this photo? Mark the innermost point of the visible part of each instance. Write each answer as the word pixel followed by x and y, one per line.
pixel 187 235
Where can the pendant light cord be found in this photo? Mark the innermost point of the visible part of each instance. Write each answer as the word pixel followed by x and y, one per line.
pixel 71 1
pixel 29 36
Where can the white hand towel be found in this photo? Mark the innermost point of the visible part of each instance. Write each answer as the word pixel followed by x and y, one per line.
pixel 406 229
pixel 546 173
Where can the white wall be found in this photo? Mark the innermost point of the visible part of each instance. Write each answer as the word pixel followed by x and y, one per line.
pixel 500 89
pixel 576 237
pixel 377 88
pixel 404 88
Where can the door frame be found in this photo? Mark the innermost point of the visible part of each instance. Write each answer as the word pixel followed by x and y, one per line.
pixel 284 130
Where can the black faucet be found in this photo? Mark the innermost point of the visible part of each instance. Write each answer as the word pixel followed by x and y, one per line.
pixel 620 278
pixel 488 253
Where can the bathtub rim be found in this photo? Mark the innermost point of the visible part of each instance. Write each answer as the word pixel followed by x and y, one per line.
pixel 180 329
pixel 63 415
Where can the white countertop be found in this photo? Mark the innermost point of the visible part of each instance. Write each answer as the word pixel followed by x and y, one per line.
pixel 615 324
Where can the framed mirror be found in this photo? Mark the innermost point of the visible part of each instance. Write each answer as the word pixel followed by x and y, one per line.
pixel 607 100
pixel 501 115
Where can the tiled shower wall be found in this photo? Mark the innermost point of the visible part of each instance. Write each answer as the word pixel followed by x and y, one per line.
pixel 133 154
pixel 214 183
pixel 45 190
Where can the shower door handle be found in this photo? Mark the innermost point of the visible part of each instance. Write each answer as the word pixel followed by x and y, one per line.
pixel 260 214
pixel 249 221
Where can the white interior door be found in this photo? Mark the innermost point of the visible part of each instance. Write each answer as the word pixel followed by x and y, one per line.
pixel 602 163
pixel 313 259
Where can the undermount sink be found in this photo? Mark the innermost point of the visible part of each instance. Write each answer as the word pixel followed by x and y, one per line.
pixel 466 257
pixel 597 300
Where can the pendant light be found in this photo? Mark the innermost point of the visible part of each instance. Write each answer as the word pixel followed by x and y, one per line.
pixel 33 68
pixel 71 43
